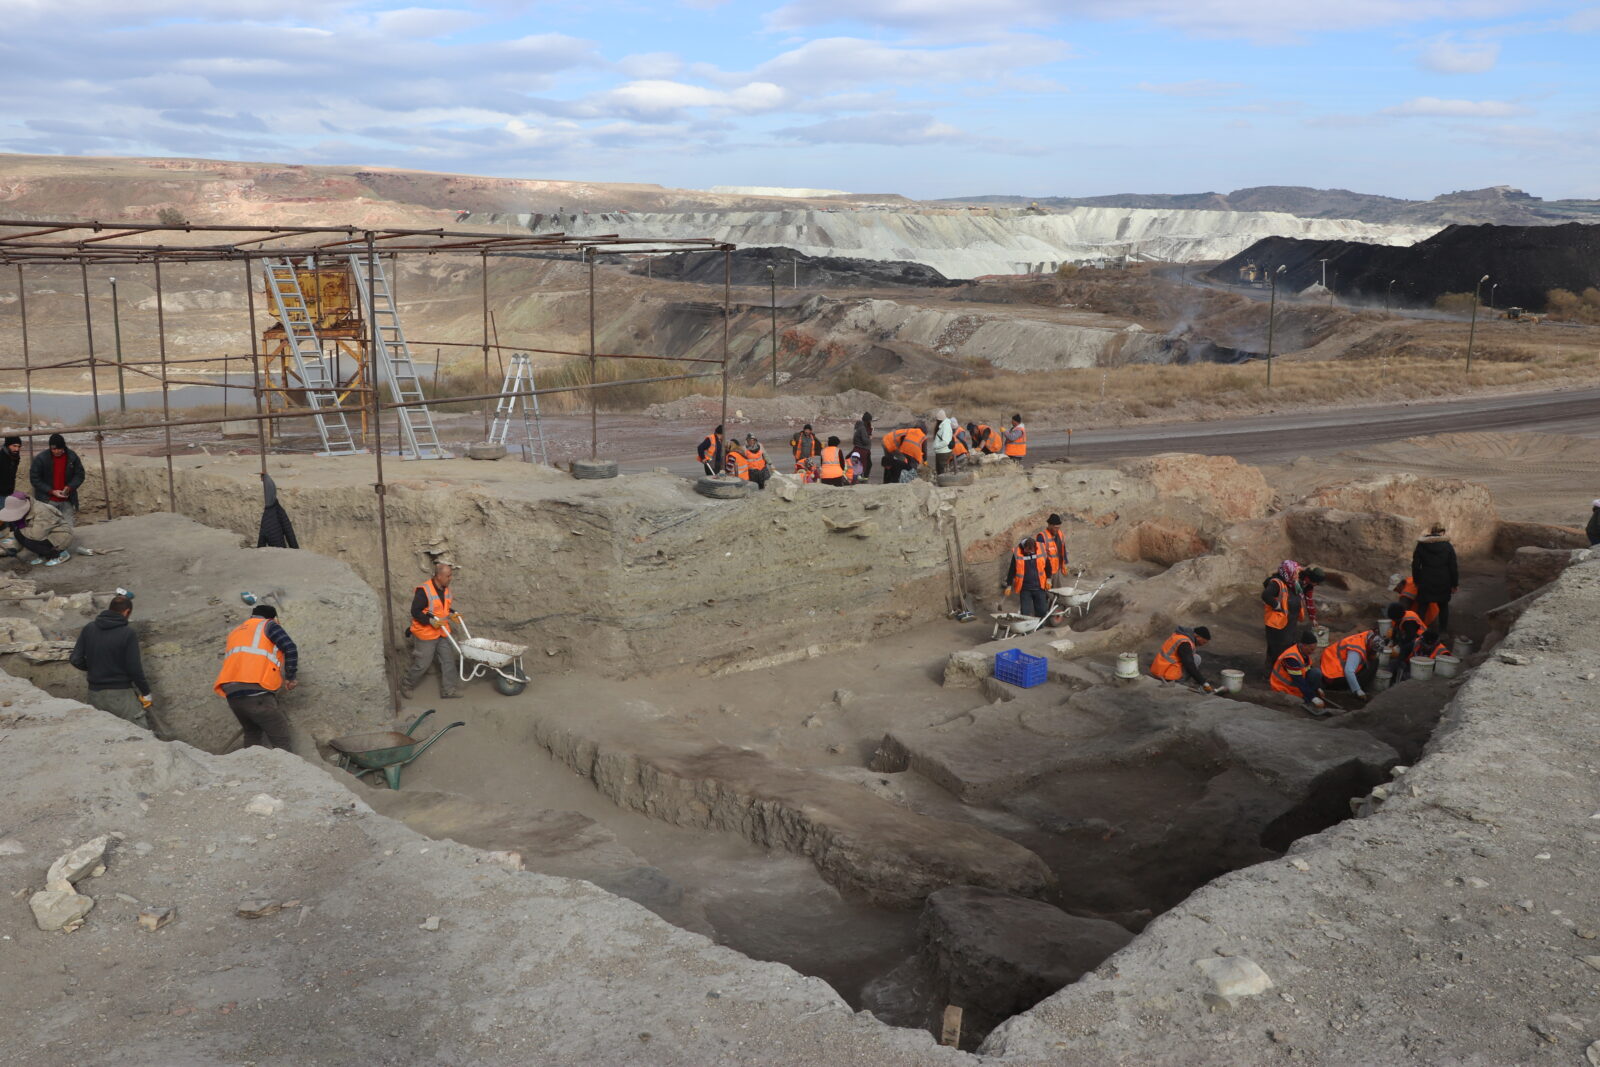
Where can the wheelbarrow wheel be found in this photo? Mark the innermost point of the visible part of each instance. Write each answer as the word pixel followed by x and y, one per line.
pixel 507 686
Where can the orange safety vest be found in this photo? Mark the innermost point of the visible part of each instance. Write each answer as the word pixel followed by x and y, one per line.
pixel 758 458
pixel 709 446
pixel 1037 559
pixel 1019 447
pixel 1411 616
pixel 1290 666
pixel 960 444
pixel 804 445
pixel 1166 665
pixel 1276 616
pixel 439 608
pixel 832 463
pixel 988 440
pixel 1334 655
pixel 1439 649
pixel 907 443
pixel 737 465
pixel 251 657
pixel 1055 551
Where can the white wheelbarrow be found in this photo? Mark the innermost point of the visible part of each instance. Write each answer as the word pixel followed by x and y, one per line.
pixel 1008 624
pixel 484 656
pixel 1073 599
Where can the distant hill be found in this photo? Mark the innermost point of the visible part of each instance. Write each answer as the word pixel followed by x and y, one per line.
pixel 1500 205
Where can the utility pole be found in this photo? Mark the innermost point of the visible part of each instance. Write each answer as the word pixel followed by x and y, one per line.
pixel 1324 272
pixel 794 261
pixel 1492 288
pixel 116 330
pixel 772 282
pixel 1388 296
pixel 1477 294
pixel 1272 311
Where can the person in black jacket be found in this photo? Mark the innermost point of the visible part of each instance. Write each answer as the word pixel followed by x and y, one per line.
pixel 1593 529
pixel 56 474
pixel 1433 568
pixel 10 457
pixel 276 529
pixel 108 652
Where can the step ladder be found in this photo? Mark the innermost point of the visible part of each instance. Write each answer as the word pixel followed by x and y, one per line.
pixel 313 369
pixel 418 439
pixel 519 379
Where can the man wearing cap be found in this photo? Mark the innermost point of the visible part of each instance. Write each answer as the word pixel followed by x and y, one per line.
pixel 431 608
pixel 259 660
pixel 1178 659
pixel 56 474
pixel 43 534
pixel 108 652
pixel 10 458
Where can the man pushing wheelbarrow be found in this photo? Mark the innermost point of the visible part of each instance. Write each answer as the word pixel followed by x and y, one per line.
pixel 435 627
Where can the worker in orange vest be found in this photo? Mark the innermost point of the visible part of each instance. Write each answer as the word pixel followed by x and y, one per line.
pixel 832 470
pixel 737 463
pixel 710 451
pixel 902 453
pixel 985 439
pixel 259 660
pixel 431 608
pixel 1016 438
pixel 1407 628
pixel 1296 673
pixel 1406 593
pixel 1054 545
pixel 1351 660
pixel 1280 609
pixel 1179 658
pixel 1028 578
pixel 960 444
pixel 804 444
pixel 759 471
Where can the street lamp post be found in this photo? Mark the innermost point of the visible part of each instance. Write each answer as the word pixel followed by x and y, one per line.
pixel 1272 311
pixel 1388 296
pixel 1477 294
pixel 116 332
pixel 772 281
pixel 1492 288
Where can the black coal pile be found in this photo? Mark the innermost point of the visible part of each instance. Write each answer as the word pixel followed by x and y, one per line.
pixel 1526 262
pixel 750 268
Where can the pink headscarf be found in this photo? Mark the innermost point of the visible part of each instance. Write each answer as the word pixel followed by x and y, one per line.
pixel 1288 569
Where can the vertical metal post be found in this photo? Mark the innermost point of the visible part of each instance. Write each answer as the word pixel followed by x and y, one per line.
pixel 1272 314
pixel 772 279
pixel 378 487
pixel 94 386
pixel 1472 330
pixel 255 368
pixel 727 300
pixel 166 396
pixel 483 258
pixel 116 332
pixel 794 261
pixel 594 372
pixel 27 361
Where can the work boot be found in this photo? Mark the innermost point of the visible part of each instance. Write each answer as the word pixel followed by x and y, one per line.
pixel 449 696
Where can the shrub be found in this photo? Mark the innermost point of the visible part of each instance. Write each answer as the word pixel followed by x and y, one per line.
pixel 858 377
pixel 171 216
pixel 1455 303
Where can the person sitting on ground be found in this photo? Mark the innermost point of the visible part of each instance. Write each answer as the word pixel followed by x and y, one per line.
pixel 759 471
pixel 1028 578
pixel 861 442
pixel 1351 661
pixel 944 442
pixel 1434 569
pixel 986 439
pixel 1593 529
pixel 1403 634
pixel 856 466
pixel 832 464
pixel 10 459
pixel 903 453
pixel 1430 645
pixel 108 652
pixel 710 451
pixel 1179 658
pixel 56 474
pixel 1295 673
pixel 736 463
pixel 1016 438
pixel 42 532
pixel 804 444
pixel 960 446
pixel 1309 579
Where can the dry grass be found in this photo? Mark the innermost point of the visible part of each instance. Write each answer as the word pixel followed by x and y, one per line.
pixel 463 380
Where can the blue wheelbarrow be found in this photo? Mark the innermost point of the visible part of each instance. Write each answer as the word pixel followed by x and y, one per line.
pixel 384 750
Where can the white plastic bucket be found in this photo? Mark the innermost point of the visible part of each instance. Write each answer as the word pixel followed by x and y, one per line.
pixel 1422 669
pixel 1128 665
pixel 1233 681
pixel 1385 659
pixel 1462 647
pixel 1445 665
pixel 1385 627
pixel 1323 636
pixel 1380 682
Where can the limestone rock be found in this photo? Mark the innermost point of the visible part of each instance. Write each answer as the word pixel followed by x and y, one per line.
pixel 264 804
pixel 1298 756
pixel 72 866
pixel 1510 536
pixel 56 908
pixel 156 918
pixel 965 669
pixel 257 908
pixel 787 486
pixel 1465 508
pixel 1233 977
pixel 1220 485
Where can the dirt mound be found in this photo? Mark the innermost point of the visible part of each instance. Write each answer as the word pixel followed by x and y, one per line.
pixel 1465 508
pixel 1526 261
pixel 751 266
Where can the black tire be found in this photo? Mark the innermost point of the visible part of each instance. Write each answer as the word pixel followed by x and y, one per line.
pixel 962 478
pixel 506 687
pixel 722 487
pixel 592 469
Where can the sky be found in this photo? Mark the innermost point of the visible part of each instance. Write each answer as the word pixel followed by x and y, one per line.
pixel 929 98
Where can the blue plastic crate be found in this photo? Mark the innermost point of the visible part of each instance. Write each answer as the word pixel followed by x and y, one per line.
pixel 1020 669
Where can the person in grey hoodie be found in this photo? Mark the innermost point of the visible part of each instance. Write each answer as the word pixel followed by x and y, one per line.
pixel 108 652
pixel 1434 569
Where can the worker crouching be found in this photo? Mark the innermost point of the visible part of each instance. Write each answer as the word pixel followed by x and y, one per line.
pixel 260 660
pixel 1179 658
pixel 1296 674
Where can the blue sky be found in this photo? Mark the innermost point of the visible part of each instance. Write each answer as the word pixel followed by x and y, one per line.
pixel 923 97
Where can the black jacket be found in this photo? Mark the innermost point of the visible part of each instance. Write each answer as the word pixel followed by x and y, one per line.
pixel 276 529
pixel 8 471
pixel 1433 568
pixel 1593 529
pixel 108 650
pixel 41 474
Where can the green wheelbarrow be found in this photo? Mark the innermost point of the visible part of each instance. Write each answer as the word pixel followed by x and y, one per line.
pixel 384 750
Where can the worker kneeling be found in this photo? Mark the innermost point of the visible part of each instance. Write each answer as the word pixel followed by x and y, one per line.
pixel 1179 658
pixel 1352 662
pixel 1296 674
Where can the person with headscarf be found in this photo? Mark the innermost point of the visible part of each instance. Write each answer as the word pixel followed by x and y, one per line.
pixel 1281 608
pixel 276 529
pixel 10 458
pixel 944 441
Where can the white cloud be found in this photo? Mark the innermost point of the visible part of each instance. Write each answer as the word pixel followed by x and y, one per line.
pixel 651 65
pixel 1198 87
pixel 835 64
pixel 658 98
pixel 1445 56
pixel 888 128
pixel 1433 107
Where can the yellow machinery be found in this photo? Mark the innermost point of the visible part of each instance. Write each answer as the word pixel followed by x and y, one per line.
pixel 335 313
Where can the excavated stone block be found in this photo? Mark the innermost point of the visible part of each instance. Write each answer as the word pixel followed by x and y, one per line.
pixel 1465 508
pixel 1294 754
pixel 1530 568
pixel 56 908
pixel 965 669
pixel 1510 536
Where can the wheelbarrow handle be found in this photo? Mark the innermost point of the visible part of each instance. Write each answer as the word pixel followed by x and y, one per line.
pixel 413 727
pixel 420 749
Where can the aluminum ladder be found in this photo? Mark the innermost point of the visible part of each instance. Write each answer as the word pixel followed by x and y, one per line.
pixel 519 379
pixel 299 328
pixel 418 438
